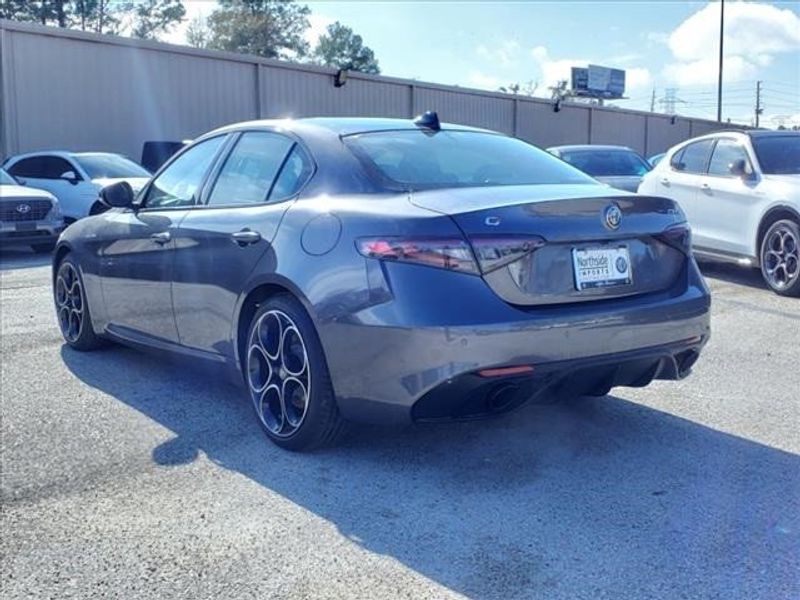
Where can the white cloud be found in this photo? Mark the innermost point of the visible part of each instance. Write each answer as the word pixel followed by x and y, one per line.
pixel 503 54
pixel 483 81
pixel 754 33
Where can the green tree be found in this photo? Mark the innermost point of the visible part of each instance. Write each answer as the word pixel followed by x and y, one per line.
pixel 18 10
pixel 151 17
pixel 141 18
pixel 268 28
pixel 340 47
pixel 198 34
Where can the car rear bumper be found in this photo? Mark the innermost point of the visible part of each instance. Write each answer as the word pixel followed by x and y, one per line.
pixel 401 371
pixel 37 232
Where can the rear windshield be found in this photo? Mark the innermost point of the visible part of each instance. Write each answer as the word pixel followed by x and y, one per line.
pixel 101 166
pixel 607 163
pixel 778 155
pixel 420 159
pixel 6 179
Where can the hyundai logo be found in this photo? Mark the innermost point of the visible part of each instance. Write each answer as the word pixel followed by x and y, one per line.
pixel 612 216
pixel 23 208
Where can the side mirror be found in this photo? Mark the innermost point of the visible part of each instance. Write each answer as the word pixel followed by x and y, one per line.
pixel 69 176
pixel 117 195
pixel 738 168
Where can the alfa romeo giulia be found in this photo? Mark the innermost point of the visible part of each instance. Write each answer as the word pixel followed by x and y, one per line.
pixel 386 270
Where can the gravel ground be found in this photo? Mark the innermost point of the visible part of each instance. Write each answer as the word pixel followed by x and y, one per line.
pixel 127 475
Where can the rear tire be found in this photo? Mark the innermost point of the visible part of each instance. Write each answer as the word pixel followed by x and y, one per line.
pixel 780 257
pixel 72 310
pixel 287 377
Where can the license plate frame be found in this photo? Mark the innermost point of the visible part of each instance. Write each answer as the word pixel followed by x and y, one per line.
pixel 595 267
pixel 25 226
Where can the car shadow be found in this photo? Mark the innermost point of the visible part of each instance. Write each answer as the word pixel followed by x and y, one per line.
pixel 590 498
pixel 733 274
pixel 22 257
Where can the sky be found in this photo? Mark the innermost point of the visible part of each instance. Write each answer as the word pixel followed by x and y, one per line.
pixel 661 45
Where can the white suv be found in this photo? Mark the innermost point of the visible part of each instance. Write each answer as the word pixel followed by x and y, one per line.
pixel 741 194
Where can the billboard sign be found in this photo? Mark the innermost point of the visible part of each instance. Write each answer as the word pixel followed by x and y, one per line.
pixel 598 82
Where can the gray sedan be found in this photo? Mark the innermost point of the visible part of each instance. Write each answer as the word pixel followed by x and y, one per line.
pixel 385 271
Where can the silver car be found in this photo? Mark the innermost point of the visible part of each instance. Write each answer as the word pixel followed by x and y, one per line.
pixel 28 216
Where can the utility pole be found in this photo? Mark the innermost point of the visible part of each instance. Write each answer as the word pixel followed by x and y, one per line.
pixel 653 101
pixel 759 108
pixel 719 82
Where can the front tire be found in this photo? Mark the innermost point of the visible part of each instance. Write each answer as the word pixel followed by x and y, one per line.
pixel 72 310
pixel 780 257
pixel 287 377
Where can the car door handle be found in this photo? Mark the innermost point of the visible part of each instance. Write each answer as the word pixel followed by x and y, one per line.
pixel 161 237
pixel 706 188
pixel 245 237
pixel 664 181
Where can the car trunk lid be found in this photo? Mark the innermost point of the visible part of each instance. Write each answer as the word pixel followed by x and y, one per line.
pixel 577 243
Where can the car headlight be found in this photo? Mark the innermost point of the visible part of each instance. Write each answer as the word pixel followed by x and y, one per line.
pixel 55 210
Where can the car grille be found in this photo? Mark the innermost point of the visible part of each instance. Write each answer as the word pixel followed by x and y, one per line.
pixel 24 209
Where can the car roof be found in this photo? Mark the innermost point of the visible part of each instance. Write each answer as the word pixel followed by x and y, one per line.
pixel 341 126
pixel 599 147
pixel 60 153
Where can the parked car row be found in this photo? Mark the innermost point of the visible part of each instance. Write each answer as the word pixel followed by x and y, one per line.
pixel 43 192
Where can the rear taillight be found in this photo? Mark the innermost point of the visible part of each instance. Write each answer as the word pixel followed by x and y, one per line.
pixel 446 253
pixel 499 251
pixel 453 254
pixel 678 236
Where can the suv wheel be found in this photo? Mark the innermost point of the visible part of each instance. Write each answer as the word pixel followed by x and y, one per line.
pixel 780 258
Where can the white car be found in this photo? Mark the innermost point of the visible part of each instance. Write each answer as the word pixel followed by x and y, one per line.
pixel 28 216
pixel 740 191
pixel 76 178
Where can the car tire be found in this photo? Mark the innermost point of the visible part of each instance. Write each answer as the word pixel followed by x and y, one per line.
pixel 72 309
pixel 780 257
pixel 44 247
pixel 287 377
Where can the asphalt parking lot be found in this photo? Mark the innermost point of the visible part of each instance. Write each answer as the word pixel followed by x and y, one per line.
pixel 127 475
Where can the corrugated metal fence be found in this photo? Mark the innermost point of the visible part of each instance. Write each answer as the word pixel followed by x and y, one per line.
pixel 81 91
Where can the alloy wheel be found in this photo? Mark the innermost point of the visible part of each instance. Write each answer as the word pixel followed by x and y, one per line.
pixel 781 257
pixel 278 373
pixel 69 302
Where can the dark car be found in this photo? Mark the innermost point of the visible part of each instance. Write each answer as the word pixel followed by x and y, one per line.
pixel 618 166
pixel 386 270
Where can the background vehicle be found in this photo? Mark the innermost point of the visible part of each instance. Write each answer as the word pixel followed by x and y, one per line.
pixel 75 178
pixel 28 216
pixel 296 252
pixel 741 194
pixel 155 154
pixel 656 158
pixel 618 166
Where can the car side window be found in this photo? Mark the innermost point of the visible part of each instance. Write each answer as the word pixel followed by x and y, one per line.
pixel 42 167
pixel 727 152
pixel 178 184
pixel 250 169
pixel 295 172
pixel 694 157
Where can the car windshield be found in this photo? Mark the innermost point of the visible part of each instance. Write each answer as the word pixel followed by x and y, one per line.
pixel 421 159
pixel 778 155
pixel 607 163
pixel 101 166
pixel 6 179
